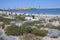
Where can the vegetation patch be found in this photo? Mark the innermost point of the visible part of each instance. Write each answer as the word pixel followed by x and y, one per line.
pixel 16 31
pixel 6 20
pixel 39 32
pixel 12 30
pixel 20 18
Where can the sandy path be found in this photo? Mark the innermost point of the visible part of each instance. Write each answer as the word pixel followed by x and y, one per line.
pixel 48 38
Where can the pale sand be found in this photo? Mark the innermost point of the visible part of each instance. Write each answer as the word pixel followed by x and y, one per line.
pixel 48 38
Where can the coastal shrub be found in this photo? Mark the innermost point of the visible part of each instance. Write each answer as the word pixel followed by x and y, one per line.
pixel 54 27
pixel 5 15
pixel 40 26
pixel 28 24
pixel 12 30
pixel 6 20
pixel 16 31
pixel 39 32
pixel 36 22
pixel 31 23
pixel 24 30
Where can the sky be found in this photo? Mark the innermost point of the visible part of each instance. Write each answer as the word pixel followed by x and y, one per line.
pixel 29 3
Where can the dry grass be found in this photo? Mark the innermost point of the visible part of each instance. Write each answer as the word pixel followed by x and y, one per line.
pixel 30 37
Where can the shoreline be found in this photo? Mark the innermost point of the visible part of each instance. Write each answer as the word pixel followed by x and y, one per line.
pixel 26 14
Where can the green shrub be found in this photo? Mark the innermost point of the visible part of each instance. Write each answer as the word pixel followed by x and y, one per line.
pixel 13 30
pixel 28 24
pixel 6 20
pixel 4 15
pixel 36 22
pixel 25 30
pixel 55 27
pixel 38 32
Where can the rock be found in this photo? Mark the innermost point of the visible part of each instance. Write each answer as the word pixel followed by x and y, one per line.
pixel 53 33
pixel 1 32
pixel 4 37
pixel 1 38
pixel 8 38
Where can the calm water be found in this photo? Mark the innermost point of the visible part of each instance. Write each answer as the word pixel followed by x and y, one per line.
pixel 40 11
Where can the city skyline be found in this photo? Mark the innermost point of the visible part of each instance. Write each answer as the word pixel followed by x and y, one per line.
pixel 29 4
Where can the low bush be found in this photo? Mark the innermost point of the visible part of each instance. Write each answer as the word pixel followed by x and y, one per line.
pixel 38 32
pixel 55 27
pixel 6 20
pixel 16 31
pixel 13 30
pixel 25 30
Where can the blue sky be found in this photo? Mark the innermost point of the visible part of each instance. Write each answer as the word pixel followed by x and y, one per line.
pixel 29 3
